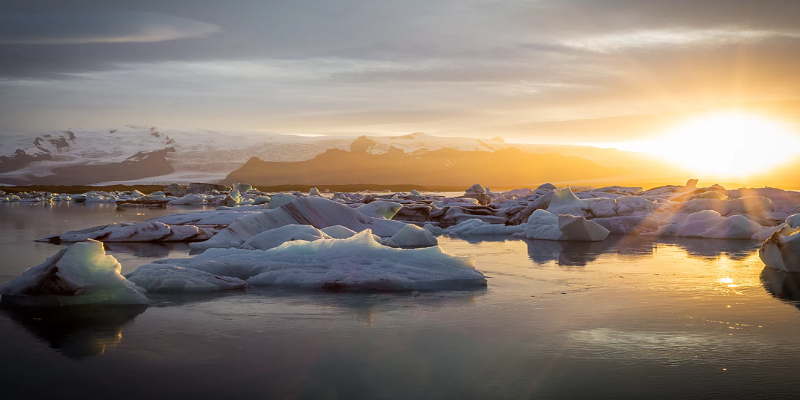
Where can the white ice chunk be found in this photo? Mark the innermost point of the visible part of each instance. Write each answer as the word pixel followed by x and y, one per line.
pixel 412 236
pixel 279 200
pixel 78 274
pixel 315 211
pixel 189 199
pixel 544 225
pixel 171 278
pixel 633 205
pixel 356 263
pixel 581 229
pixel 711 225
pixel 476 189
pixel 793 220
pixel 380 209
pixel 276 237
pixel 565 202
pixel 476 227
pixel 136 232
pixel 782 251
pixel 734 227
pixel 338 232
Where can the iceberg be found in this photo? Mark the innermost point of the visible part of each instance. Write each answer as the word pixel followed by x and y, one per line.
pixel 338 232
pixel 276 237
pixel 782 250
pixel 544 225
pixel 710 224
pixel 315 211
pixel 134 232
pixel 357 263
pixel 278 200
pixel 189 199
pixel 171 278
pixel 477 227
pixel 565 202
pixel 628 224
pixel 412 236
pixel 78 274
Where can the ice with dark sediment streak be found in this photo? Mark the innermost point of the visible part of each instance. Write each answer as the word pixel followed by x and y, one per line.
pixel 78 274
pixel 782 250
pixel 380 209
pixel 356 263
pixel 315 211
pixel 147 231
pixel 476 227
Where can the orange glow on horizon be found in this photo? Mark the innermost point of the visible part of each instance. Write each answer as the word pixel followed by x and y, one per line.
pixel 723 145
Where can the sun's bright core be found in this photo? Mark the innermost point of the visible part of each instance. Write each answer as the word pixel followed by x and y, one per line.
pixel 732 144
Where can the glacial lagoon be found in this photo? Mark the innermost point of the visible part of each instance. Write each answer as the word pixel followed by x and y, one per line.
pixel 630 317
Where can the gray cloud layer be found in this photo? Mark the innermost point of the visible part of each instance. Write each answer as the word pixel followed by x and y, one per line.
pixel 448 66
pixel 98 27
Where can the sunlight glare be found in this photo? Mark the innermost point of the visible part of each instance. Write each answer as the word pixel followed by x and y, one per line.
pixel 732 144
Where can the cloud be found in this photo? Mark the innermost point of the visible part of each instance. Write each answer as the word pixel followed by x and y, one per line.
pixel 304 66
pixel 676 36
pixel 98 27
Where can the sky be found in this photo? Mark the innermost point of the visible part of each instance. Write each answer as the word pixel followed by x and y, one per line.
pixel 480 68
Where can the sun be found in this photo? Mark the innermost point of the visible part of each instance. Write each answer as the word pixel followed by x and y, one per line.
pixel 727 145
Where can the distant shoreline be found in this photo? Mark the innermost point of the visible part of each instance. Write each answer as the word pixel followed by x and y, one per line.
pixel 76 189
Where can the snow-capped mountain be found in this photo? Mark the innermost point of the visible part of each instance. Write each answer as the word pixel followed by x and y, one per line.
pixel 150 154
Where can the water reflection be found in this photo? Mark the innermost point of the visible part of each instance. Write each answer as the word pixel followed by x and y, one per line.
pixel 76 331
pixel 783 285
pixel 361 305
pixel 566 253
pixel 713 248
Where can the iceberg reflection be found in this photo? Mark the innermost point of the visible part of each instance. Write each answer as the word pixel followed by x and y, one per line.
pixel 76 331
pixel 782 285
pixel 573 253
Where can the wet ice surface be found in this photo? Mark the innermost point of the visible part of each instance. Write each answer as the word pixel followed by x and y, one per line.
pixel 624 318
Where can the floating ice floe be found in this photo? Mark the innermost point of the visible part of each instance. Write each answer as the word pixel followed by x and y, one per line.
pixel 78 274
pixel 134 232
pixel 315 211
pixel 412 236
pixel 476 227
pixel 189 199
pixel 213 218
pixel 276 237
pixel 279 200
pixel 338 232
pixel 628 224
pixel 752 205
pixel 782 250
pixel 564 201
pixel 711 225
pixel 356 263
pixel 170 278
pixel 544 225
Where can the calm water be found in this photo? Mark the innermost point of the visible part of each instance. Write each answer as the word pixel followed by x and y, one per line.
pixel 626 318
